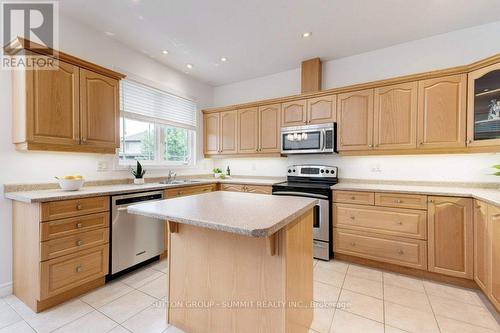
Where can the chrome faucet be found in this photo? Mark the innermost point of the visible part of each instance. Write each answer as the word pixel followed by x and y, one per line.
pixel 171 176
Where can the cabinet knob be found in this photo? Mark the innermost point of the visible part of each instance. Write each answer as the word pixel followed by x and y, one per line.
pixel 353 198
pixel 78 269
pixel 79 243
pixel 401 252
pixel 469 141
pixel 353 217
pixel 431 201
pixel 420 143
pixel 398 201
pixel 79 206
pixel 399 223
pixel 79 225
pixel 370 146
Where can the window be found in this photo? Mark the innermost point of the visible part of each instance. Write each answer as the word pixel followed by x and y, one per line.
pixel 156 128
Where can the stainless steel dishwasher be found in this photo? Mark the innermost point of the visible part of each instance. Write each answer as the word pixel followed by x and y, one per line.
pixel 134 238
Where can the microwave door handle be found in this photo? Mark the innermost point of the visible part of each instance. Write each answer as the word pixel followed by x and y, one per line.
pixel 322 140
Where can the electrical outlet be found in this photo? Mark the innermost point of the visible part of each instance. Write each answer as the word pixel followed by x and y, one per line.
pixel 102 166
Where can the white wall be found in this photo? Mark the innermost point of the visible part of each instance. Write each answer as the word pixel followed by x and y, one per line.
pixel 29 167
pixel 447 50
pixel 442 51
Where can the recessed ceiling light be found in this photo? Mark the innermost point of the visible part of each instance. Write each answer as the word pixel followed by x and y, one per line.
pixel 189 66
pixel 164 52
pixel 109 33
pixel 306 34
pixel 223 59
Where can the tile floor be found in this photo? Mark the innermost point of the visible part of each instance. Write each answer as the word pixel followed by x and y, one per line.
pixel 350 298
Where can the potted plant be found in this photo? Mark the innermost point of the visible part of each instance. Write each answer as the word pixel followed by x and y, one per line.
pixel 217 172
pixel 138 174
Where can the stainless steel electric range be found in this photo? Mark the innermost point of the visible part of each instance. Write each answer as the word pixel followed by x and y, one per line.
pixel 314 181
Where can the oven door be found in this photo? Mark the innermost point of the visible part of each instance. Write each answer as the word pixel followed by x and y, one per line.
pixel 321 225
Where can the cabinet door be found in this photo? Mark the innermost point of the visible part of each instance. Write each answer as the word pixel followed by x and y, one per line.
pixel 395 123
pixel 483 109
pixel 211 133
pixel 481 244
pixel 228 132
pixel 494 266
pixel 451 236
pixel 53 110
pixel 294 113
pixel 99 110
pixel 355 120
pixel 248 128
pixel 442 112
pixel 322 110
pixel 269 128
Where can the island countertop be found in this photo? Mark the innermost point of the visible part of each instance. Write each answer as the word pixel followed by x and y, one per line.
pixel 255 215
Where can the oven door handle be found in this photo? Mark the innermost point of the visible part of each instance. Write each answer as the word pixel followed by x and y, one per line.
pixel 301 194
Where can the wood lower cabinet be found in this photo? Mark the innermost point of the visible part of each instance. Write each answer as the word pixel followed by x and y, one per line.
pixel 60 249
pixel 442 112
pixel 451 242
pixel 395 119
pixel 481 245
pixel 260 189
pixel 211 126
pixel 494 261
pixel 355 120
pixel 71 107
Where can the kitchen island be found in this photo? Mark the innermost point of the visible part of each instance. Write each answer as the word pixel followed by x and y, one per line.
pixel 238 262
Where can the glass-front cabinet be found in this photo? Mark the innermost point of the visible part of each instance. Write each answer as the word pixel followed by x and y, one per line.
pixel 484 107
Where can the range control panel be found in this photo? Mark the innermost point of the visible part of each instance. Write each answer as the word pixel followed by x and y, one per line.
pixel 320 171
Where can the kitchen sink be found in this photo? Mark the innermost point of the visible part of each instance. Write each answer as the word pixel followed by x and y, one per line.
pixel 177 182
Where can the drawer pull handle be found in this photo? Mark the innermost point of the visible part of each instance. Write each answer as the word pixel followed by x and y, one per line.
pixel 79 206
pixel 78 269
pixel 353 198
pixel 353 244
pixel 399 223
pixel 401 252
pixel 79 225
pixel 79 243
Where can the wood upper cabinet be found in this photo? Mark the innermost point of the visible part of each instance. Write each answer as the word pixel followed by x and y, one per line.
pixel 211 133
pixel 294 113
pixel 355 120
pixel 99 110
pixel 248 129
pixel 228 132
pixel 483 118
pixel 395 121
pixel 52 114
pixel 322 110
pixel 269 128
pixel 451 241
pixel 494 266
pixel 481 245
pixel 442 112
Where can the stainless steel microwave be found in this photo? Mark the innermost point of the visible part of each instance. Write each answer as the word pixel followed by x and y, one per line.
pixel 309 139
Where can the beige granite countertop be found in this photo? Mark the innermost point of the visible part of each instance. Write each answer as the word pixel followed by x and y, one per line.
pixel 92 191
pixel 489 195
pixel 249 214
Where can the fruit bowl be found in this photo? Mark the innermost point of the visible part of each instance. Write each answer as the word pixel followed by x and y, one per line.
pixel 70 183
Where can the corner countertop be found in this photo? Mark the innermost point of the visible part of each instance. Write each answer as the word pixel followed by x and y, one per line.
pixel 488 195
pixel 93 191
pixel 248 214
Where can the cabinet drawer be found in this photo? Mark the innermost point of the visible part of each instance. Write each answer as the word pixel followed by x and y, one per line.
pixel 394 250
pixel 77 207
pixel 67 272
pixel 62 246
pixel 388 221
pixel 363 198
pixel 191 190
pixel 260 189
pixel 412 201
pixel 232 187
pixel 74 225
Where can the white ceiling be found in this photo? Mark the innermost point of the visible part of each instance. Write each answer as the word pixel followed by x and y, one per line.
pixel 262 37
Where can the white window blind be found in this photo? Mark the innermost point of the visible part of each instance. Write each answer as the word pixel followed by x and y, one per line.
pixel 144 101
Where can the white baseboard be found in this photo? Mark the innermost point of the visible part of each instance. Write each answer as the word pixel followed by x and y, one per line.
pixel 5 289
